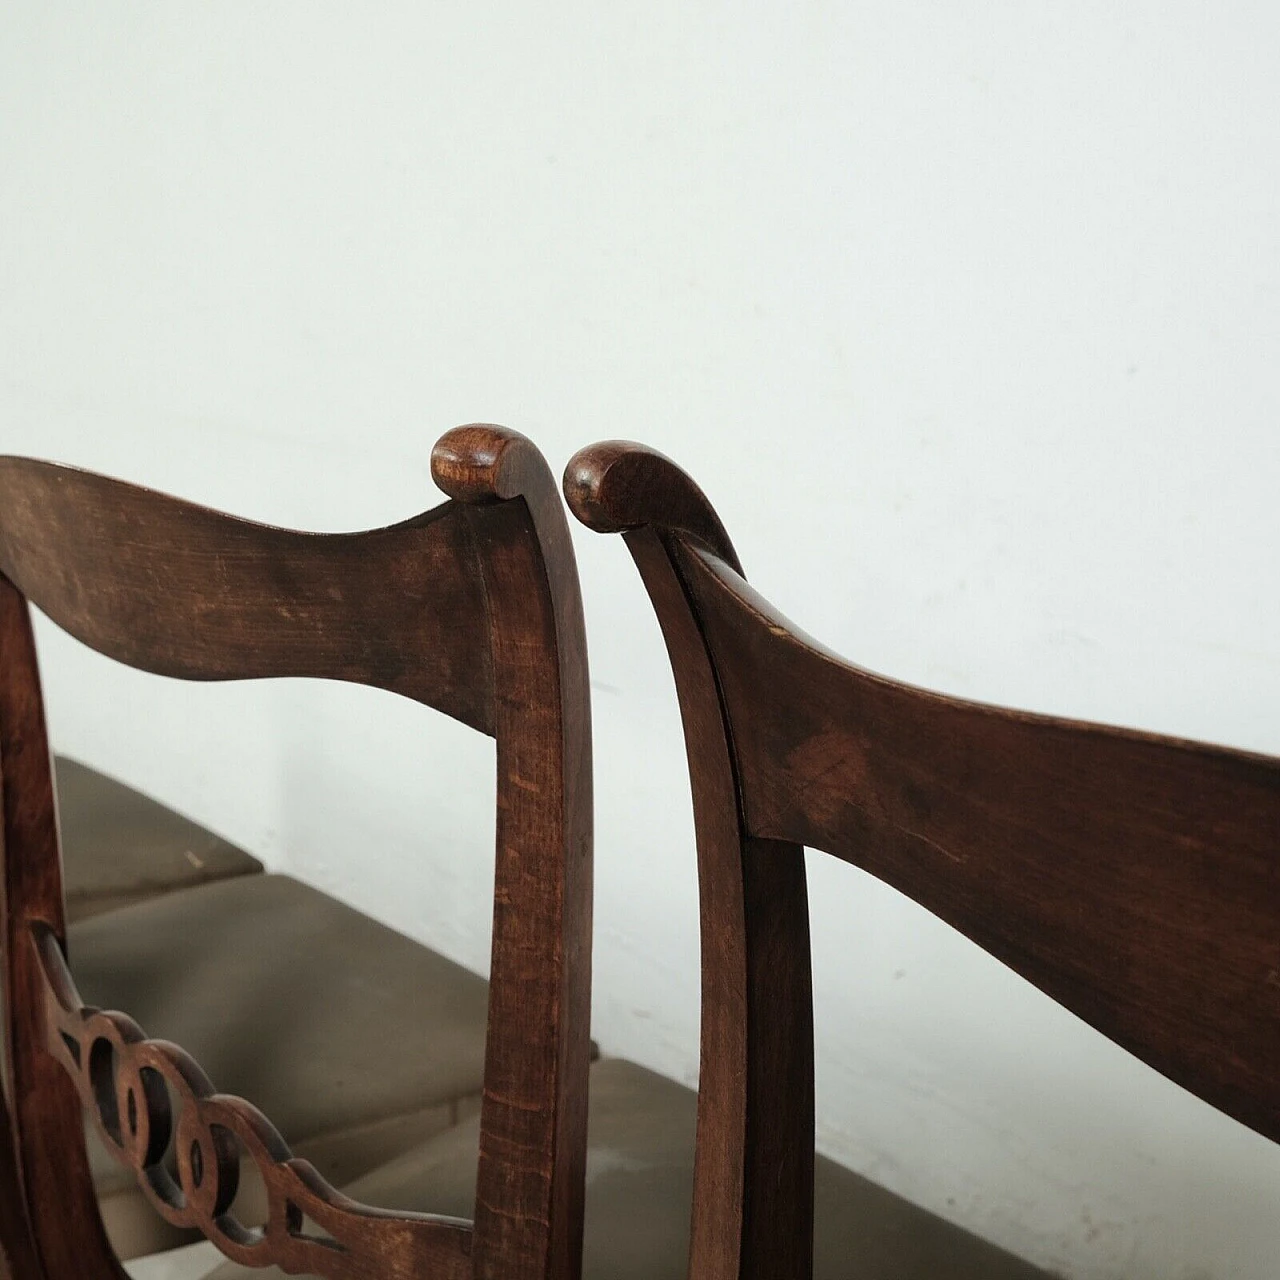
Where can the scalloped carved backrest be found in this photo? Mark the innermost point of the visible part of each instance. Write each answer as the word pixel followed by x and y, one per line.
pixel 1133 878
pixel 472 608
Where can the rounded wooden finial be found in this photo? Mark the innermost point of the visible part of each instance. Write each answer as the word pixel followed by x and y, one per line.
pixel 619 485
pixel 481 462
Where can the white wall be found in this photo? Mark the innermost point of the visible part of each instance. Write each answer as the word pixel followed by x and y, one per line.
pixel 965 314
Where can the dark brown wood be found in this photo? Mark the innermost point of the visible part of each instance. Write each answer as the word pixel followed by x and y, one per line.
pixel 46 1163
pixel 753 1163
pixel 472 608
pixel 1135 879
pixel 127 1081
pixel 174 588
pixel 533 1117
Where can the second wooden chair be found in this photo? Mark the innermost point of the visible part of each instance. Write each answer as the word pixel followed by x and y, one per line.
pixel 1133 878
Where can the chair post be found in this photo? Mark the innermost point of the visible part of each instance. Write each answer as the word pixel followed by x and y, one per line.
pixel 44 1165
pixel 532 1173
pixel 753 1165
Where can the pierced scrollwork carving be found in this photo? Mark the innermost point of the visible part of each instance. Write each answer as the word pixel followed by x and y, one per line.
pixel 129 1084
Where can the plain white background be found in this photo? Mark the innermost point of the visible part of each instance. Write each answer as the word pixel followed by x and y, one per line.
pixel 964 314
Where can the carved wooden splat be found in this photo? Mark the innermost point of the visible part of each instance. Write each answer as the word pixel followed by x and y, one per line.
pixel 126 1082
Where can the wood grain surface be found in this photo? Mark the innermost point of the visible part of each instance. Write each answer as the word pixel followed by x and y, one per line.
pixel 472 608
pixel 1134 878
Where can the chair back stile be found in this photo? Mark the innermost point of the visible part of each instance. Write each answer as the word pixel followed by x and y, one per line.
pixel 1133 878
pixel 473 609
pixel 529 1214
pixel 753 1162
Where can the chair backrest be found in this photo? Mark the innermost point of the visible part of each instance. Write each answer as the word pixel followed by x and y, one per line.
pixel 472 608
pixel 1135 879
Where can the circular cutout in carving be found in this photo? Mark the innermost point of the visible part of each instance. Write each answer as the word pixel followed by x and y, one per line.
pixel 244 1218
pixel 161 1109
pixel 142 1103
pixel 155 1121
pixel 208 1168
pixel 102 1076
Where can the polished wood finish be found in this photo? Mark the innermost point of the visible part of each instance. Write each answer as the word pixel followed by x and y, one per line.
pixel 1135 879
pixel 472 608
pixel 533 1117
pixel 127 1081
pixel 171 587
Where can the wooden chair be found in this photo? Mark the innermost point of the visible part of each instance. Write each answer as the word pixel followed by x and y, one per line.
pixel 1135 879
pixel 472 608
